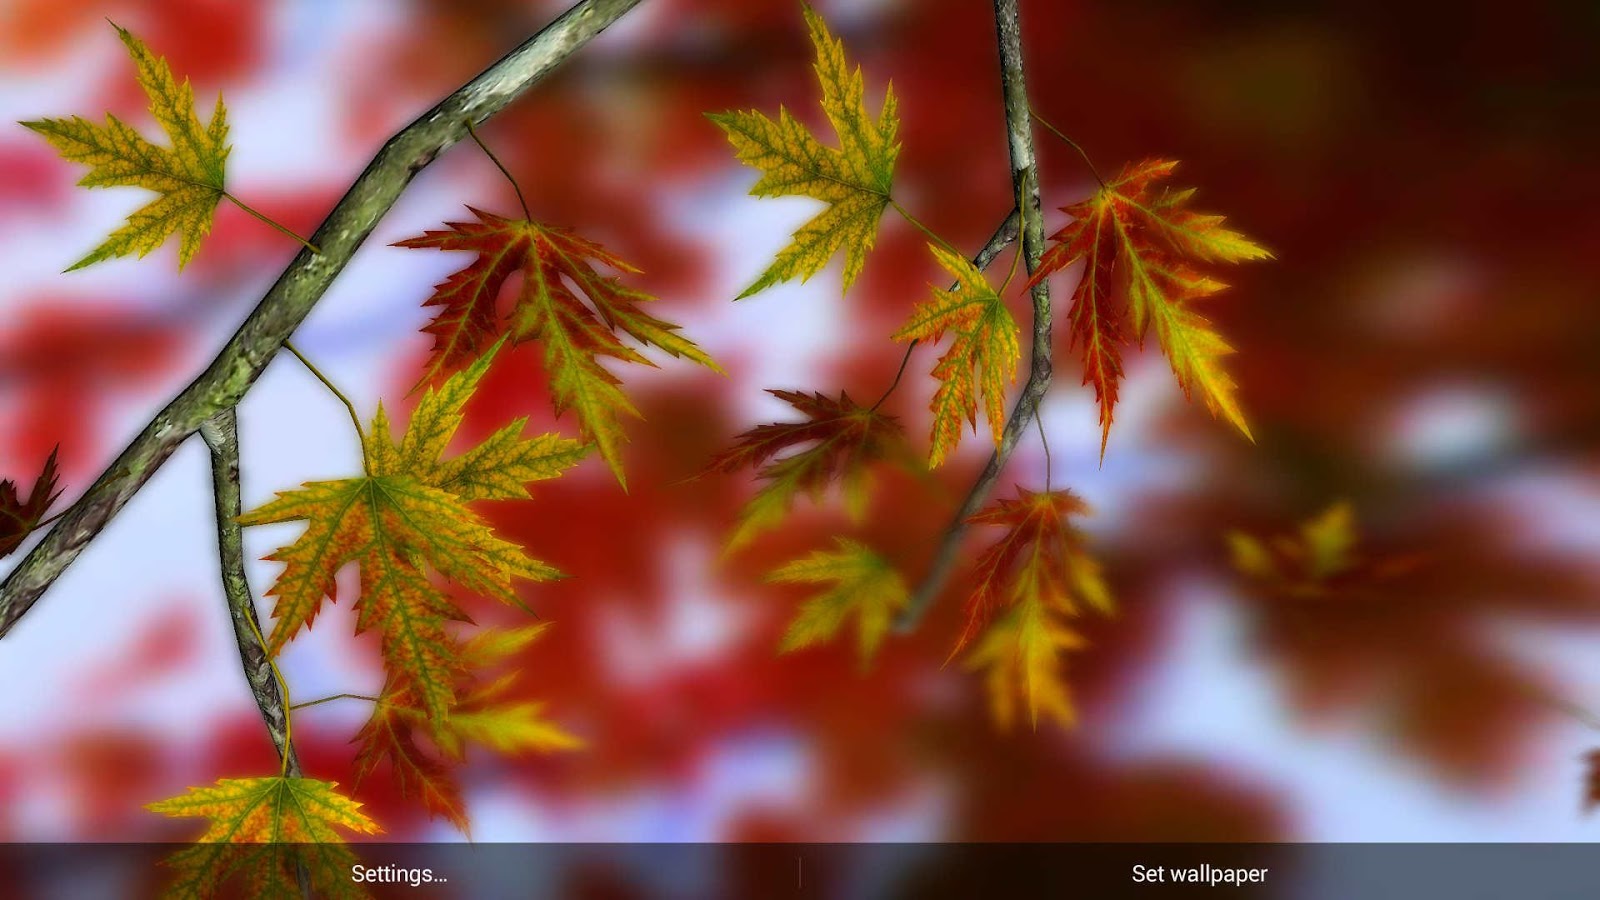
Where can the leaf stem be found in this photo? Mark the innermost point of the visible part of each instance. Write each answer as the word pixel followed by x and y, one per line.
pixel 917 223
pixel 1070 142
pixel 898 374
pixel 321 700
pixel 267 219
pixel 1038 419
pixel 355 417
pixel 473 132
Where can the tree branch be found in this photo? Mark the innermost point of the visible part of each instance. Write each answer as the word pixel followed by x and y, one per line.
pixel 221 434
pixel 1025 185
pixel 297 290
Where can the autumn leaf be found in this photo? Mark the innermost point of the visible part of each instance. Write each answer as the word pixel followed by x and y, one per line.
pixel 854 180
pixel 845 439
pixel 575 336
pixel 1040 558
pixel 188 176
pixel 20 518
pixel 1321 559
pixel 982 360
pixel 252 819
pixel 1141 250
pixel 859 583
pixel 484 716
pixel 1591 781
pixel 1037 574
pixel 1020 656
pixel 408 513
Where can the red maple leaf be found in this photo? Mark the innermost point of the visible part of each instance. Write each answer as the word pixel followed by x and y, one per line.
pixel 19 518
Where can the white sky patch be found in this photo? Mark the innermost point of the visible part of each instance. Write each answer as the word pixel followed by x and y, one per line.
pixel 1450 424
pixel 697 624
pixel 1210 699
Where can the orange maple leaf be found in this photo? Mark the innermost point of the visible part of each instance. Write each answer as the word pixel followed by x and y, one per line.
pixel 20 518
pixel 1140 248
pixel 575 335
pixel 1036 574
pixel 1041 557
pixel 845 439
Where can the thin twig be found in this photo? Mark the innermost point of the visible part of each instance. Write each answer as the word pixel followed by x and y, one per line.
pixel 296 292
pixel 1025 183
pixel 267 686
pixel 473 132
pixel 355 417
pixel 321 700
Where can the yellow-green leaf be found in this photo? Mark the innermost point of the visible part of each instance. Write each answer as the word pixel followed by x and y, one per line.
pixel 188 176
pixel 252 819
pixel 403 517
pixel 859 583
pixel 1020 655
pixel 980 362
pixel 854 179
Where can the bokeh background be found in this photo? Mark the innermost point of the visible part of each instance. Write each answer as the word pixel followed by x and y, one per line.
pixel 1426 347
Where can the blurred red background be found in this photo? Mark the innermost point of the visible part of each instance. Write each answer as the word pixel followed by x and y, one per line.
pixel 1424 347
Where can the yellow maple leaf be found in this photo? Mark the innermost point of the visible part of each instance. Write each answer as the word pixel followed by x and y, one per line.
pixel 402 515
pixel 853 179
pixel 860 583
pixel 262 831
pixel 982 359
pixel 1020 655
pixel 189 176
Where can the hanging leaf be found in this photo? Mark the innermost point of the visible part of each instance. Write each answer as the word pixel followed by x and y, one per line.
pixel 399 520
pixel 854 180
pixel 575 335
pixel 1036 575
pixel 484 715
pixel 1141 250
pixel 20 518
pixel 188 176
pixel 982 360
pixel 1020 656
pixel 845 439
pixel 262 830
pixel 860 584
